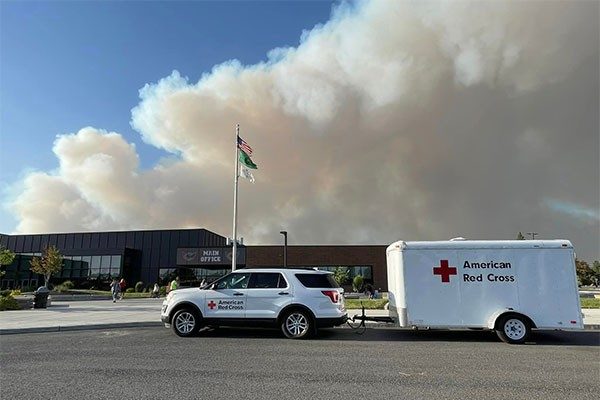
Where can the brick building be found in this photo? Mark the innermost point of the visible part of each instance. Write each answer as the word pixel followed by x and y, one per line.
pixel 93 258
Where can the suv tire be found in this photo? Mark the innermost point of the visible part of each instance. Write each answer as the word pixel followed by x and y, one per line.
pixel 297 324
pixel 185 322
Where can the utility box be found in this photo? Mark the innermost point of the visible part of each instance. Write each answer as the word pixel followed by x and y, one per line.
pixel 40 297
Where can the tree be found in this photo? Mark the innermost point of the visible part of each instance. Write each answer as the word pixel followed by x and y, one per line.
pixel 596 273
pixel 50 263
pixel 6 258
pixel 585 275
pixel 520 236
pixel 341 275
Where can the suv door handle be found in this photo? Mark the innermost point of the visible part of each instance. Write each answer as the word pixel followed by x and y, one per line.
pixel 283 293
pixel 238 294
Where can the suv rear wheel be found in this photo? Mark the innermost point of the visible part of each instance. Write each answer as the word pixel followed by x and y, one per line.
pixel 297 324
pixel 185 322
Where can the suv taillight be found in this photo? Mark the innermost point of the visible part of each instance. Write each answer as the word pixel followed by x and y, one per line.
pixel 332 294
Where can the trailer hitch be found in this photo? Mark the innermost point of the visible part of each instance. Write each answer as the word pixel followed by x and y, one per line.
pixel 363 318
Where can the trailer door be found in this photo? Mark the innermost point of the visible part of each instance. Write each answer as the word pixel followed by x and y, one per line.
pixel 548 288
pixel 432 287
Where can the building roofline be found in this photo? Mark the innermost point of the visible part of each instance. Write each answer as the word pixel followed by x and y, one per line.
pixel 117 231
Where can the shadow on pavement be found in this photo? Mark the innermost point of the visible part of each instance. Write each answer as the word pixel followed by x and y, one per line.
pixel 553 338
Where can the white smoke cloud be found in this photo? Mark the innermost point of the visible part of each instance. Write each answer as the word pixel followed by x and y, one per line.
pixel 392 120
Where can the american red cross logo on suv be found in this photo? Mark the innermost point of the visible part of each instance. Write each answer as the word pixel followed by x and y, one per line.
pixel 444 271
pixel 212 304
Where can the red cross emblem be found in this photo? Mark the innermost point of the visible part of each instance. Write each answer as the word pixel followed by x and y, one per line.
pixel 212 304
pixel 444 271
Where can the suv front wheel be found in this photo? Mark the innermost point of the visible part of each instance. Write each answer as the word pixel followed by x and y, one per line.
pixel 185 322
pixel 297 324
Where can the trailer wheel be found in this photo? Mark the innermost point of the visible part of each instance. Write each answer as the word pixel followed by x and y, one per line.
pixel 513 329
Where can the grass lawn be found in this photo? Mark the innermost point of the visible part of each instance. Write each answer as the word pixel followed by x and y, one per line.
pixel 590 302
pixel 375 304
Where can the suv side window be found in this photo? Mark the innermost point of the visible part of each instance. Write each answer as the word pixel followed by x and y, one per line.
pixel 233 281
pixel 267 280
pixel 317 280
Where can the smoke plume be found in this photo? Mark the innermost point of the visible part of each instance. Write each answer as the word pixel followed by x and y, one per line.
pixel 393 120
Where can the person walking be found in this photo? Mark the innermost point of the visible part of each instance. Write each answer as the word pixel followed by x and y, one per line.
pixel 175 283
pixel 156 291
pixel 122 286
pixel 115 289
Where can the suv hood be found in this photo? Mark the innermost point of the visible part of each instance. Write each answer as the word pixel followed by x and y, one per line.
pixel 187 291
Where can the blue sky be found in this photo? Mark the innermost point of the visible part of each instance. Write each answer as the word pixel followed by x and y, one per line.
pixel 66 65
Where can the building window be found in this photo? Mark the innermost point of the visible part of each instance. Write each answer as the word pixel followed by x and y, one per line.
pixel 190 276
pixel 81 267
pixel 115 265
pixel 105 265
pixel 166 275
pixel 366 271
pixel 95 269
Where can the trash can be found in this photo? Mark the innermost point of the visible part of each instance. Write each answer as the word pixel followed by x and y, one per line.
pixel 40 297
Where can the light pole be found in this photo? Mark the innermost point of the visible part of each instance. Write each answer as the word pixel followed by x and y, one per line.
pixel 532 235
pixel 284 233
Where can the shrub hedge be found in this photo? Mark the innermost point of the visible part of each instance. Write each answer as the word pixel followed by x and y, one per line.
pixel 8 303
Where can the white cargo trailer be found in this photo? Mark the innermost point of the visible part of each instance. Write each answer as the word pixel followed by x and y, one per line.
pixel 509 286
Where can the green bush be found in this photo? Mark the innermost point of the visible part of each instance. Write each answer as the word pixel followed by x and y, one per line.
pixel 68 285
pixel 15 292
pixel 139 286
pixel 4 293
pixel 162 291
pixel 341 275
pixel 61 289
pixel 8 303
pixel 130 290
pixel 357 283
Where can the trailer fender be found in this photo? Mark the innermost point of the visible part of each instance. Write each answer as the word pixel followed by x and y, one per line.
pixel 491 324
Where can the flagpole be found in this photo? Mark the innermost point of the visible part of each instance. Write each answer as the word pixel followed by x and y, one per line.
pixel 235 199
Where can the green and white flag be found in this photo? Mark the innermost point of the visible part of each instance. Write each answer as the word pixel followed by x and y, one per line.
pixel 245 173
pixel 246 160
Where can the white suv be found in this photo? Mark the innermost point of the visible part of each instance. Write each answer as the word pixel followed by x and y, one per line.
pixel 298 301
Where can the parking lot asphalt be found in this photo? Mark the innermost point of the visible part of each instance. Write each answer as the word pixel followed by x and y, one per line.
pixel 153 363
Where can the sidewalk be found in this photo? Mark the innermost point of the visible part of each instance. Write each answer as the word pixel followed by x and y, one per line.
pixel 104 314
pixel 79 315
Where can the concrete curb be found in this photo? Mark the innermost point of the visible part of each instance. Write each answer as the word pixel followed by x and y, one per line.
pixel 68 328
pixel 124 325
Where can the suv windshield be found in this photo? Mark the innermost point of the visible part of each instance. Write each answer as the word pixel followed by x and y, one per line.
pixel 317 280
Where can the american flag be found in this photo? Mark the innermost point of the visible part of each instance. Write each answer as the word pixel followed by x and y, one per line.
pixel 242 145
